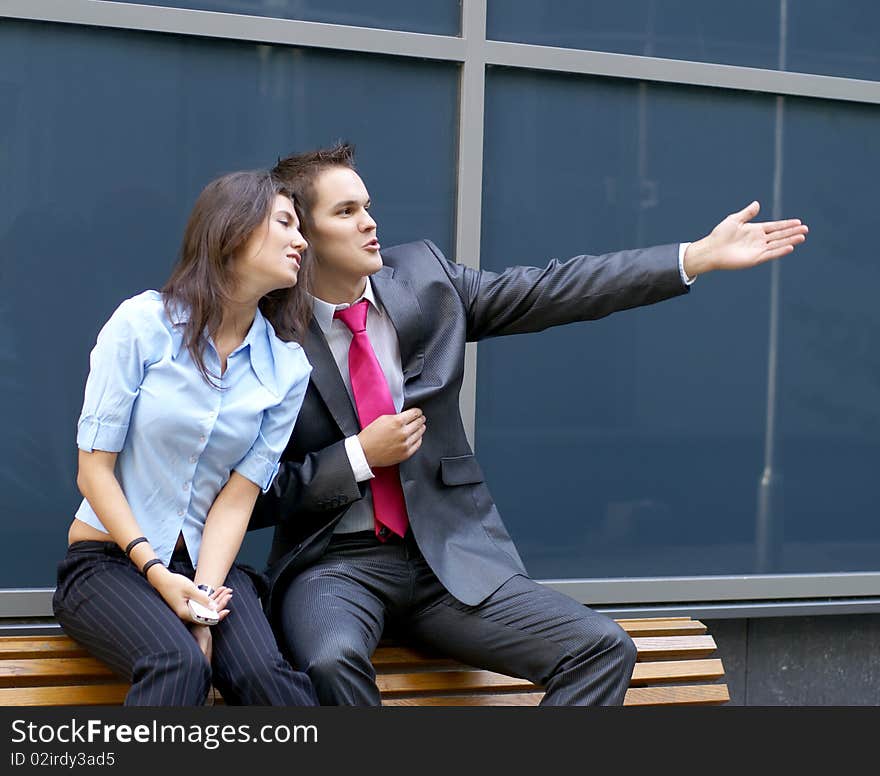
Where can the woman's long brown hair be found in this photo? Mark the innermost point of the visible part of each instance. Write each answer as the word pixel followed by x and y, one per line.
pixel 224 216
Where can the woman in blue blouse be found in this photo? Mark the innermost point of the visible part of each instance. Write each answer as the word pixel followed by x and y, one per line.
pixel 191 398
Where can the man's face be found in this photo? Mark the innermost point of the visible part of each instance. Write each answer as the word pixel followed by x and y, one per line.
pixel 342 233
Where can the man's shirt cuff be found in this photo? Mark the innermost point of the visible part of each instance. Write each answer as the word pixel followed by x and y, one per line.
pixel 684 276
pixel 357 459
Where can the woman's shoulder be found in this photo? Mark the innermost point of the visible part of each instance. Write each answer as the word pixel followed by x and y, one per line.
pixel 143 306
pixel 141 316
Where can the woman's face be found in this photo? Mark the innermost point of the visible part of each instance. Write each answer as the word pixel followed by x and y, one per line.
pixel 271 257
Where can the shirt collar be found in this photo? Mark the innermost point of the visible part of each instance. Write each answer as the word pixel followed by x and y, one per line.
pixel 257 341
pixel 323 311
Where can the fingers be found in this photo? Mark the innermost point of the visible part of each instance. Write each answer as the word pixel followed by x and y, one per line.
pixel 413 425
pixel 795 239
pixel 775 253
pixel 408 416
pixel 414 440
pixel 781 234
pixel 748 212
pixel 221 600
pixel 772 227
pixel 199 595
pixel 221 593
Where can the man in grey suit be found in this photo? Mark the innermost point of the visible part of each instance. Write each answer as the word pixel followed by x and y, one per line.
pixel 382 516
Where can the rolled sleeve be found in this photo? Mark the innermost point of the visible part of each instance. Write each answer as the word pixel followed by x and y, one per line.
pixel 116 371
pixel 260 464
pixel 92 434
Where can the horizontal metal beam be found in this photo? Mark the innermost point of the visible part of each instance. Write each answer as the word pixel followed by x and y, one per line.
pixel 251 29
pixel 678 71
pixel 477 52
pixel 738 610
pixel 752 591
pixel 745 610
pixel 662 590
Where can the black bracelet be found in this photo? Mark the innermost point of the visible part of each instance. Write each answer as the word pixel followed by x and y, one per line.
pixel 207 588
pixel 148 565
pixel 132 543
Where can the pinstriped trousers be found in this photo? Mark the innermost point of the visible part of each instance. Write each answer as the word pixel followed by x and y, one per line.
pixel 334 613
pixel 105 604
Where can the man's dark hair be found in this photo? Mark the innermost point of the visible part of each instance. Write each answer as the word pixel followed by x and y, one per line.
pixel 298 173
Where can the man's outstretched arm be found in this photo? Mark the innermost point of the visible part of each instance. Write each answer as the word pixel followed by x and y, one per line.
pixel 527 299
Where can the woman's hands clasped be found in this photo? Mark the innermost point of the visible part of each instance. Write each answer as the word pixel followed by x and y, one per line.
pixel 176 590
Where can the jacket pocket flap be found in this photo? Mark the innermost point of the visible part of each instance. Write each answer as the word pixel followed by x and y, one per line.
pixel 460 470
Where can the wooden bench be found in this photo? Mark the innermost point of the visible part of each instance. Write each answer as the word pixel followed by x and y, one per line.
pixel 674 667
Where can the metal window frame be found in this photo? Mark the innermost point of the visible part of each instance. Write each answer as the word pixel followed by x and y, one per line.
pixel 752 595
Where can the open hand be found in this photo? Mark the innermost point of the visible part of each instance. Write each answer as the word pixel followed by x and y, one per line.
pixel 738 244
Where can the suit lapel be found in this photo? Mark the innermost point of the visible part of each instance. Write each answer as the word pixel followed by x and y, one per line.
pixel 328 381
pixel 399 301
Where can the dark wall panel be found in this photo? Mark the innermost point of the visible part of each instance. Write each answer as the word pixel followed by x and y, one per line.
pixel 635 446
pixel 106 138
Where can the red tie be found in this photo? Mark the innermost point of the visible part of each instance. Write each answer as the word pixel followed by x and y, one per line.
pixel 372 398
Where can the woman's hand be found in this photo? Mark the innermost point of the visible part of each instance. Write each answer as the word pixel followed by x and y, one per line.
pixel 177 589
pixel 221 597
pixel 202 635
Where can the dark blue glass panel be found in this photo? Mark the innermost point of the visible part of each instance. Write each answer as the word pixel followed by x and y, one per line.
pixel 744 33
pixel 834 38
pixel 828 435
pixel 821 36
pixel 100 162
pixel 634 445
pixel 438 17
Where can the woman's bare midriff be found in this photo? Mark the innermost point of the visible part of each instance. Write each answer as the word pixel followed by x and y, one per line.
pixel 83 532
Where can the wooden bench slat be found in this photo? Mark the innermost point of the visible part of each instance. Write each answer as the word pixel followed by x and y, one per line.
pixel 83 695
pixel 651 647
pixel 665 628
pixel 387 658
pixel 62 646
pixel 499 699
pixel 45 671
pixel 455 681
pixel 676 671
pixel 694 695
pixel 449 681
pixel 114 694
pixel 72 671
pixel 670 647
pixel 24 647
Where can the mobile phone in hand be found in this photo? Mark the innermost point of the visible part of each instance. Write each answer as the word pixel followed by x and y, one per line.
pixel 202 614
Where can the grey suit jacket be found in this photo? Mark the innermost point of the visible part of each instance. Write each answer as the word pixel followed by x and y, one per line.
pixel 436 306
